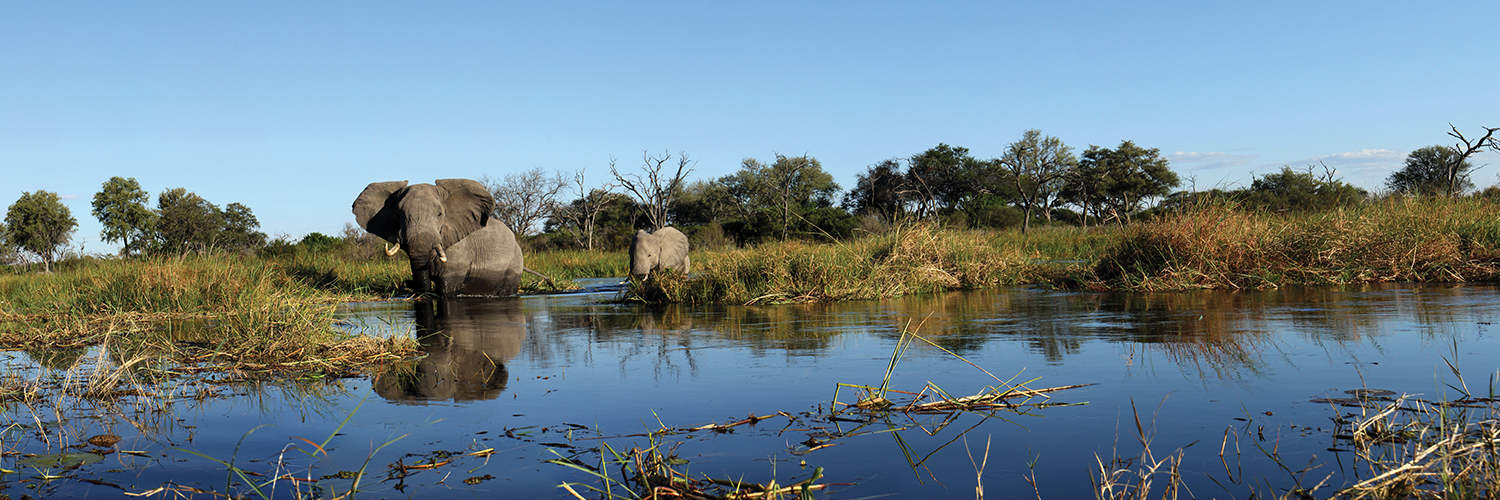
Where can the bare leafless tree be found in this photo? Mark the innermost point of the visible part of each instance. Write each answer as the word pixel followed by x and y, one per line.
pixel 1463 150
pixel 585 210
pixel 656 192
pixel 524 199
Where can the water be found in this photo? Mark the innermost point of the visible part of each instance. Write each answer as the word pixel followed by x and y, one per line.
pixel 541 377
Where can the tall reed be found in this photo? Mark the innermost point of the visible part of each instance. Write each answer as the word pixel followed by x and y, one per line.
pixel 1222 245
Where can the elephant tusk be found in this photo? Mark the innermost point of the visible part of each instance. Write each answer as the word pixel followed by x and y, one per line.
pixel 392 249
pixel 442 257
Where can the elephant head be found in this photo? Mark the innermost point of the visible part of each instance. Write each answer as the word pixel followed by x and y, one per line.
pixel 423 219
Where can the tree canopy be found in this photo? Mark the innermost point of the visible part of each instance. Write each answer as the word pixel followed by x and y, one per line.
pixel 882 190
pixel 121 207
pixel 776 196
pixel 1292 191
pixel 39 223
pixel 1037 166
pixel 1116 182
pixel 1432 171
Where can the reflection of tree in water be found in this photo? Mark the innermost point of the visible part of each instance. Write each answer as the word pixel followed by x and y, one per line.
pixel 467 342
pixel 1217 333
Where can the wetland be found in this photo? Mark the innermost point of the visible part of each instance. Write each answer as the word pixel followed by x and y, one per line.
pixel 1234 393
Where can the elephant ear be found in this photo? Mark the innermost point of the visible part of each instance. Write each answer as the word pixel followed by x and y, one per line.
pixel 466 208
pixel 376 210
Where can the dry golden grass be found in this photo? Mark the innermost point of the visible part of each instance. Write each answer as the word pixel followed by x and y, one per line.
pixel 1220 245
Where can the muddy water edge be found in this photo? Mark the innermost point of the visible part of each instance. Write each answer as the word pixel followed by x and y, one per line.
pixel 1247 385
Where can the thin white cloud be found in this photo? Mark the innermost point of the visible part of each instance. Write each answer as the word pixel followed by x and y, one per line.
pixel 1364 158
pixel 67 197
pixel 1366 168
pixel 1210 161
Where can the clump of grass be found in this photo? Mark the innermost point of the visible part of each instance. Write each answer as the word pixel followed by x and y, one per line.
pixel 658 472
pixel 200 309
pixel 1219 244
pixel 1411 448
pixel 1135 478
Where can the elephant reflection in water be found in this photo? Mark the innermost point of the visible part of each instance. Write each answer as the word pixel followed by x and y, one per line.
pixel 467 342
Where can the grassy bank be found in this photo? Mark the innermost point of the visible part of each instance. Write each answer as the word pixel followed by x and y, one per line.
pixel 1214 245
pixel 913 259
pixel 1220 245
pixel 232 311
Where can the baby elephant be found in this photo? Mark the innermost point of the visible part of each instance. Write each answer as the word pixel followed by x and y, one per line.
pixel 667 248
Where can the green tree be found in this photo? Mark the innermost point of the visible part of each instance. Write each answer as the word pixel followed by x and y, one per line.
pixel 1290 190
pixel 704 203
pixel 782 191
pixel 943 177
pixel 882 190
pixel 1037 166
pixel 316 242
pixel 1135 175
pixel 603 219
pixel 121 207
pixel 39 223
pixel 1432 171
pixel 7 249
pixel 187 222
pixel 578 217
pixel 1087 185
pixel 238 229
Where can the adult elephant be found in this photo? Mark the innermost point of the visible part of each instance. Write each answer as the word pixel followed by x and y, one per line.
pixel 455 247
pixel 667 248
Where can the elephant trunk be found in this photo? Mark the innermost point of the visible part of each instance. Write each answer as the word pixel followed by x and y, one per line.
pixel 421 279
pixel 426 253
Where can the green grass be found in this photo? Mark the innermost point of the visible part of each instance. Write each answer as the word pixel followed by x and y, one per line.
pixel 563 265
pixel 225 308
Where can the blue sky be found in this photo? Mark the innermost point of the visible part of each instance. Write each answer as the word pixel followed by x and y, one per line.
pixel 291 108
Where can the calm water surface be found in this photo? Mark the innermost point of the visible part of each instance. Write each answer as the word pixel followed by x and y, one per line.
pixel 540 377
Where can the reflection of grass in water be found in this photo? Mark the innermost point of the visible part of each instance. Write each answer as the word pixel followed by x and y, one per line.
pixel 1221 353
pixel 919 410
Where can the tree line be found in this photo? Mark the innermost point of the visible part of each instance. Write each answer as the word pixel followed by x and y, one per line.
pixel 182 222
pixel 1037 179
